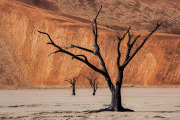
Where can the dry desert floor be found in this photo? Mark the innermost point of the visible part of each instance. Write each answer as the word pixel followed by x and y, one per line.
pixel 59 104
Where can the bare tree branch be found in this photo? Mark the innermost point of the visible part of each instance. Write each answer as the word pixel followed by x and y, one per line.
pixel 95 84
pixel 98 54
pixel 159 23
pixel 54 52
pixel 76 78
pixel 95 31
pixel 118 47
pixel 129 46
pixel 82 48
pixel 124 34
pixel 119 52
pixel 85 58
pixel 90 81
pixel 69 80
pixel 74 56
pixel 52 43
pixel 98 12
pixel 94 34
pixel 130 36
pixel 135 40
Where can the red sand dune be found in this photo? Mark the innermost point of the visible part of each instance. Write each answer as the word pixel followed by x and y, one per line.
pixel 24 54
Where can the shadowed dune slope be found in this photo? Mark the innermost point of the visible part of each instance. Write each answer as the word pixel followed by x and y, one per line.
pixel 24 54
pixel 119 14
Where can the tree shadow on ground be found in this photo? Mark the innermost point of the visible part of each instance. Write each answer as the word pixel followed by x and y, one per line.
pixel 107 109
pixel 126 110
pixel 176 111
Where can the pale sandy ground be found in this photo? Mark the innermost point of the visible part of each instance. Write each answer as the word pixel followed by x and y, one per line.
pixel 59 104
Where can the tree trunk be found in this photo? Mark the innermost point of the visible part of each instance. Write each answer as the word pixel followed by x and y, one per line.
pixel 116 103
pixel 73 90
pixel 94 91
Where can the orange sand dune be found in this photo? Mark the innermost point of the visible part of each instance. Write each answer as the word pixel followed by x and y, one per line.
pixel 24 54
pixel 118 14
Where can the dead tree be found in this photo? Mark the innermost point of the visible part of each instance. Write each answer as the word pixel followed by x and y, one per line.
pixel 94 84
pixel 73 83
pixel 116 104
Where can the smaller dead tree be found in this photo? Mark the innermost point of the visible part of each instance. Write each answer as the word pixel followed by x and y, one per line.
pixel 73 83
pixel 93 83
